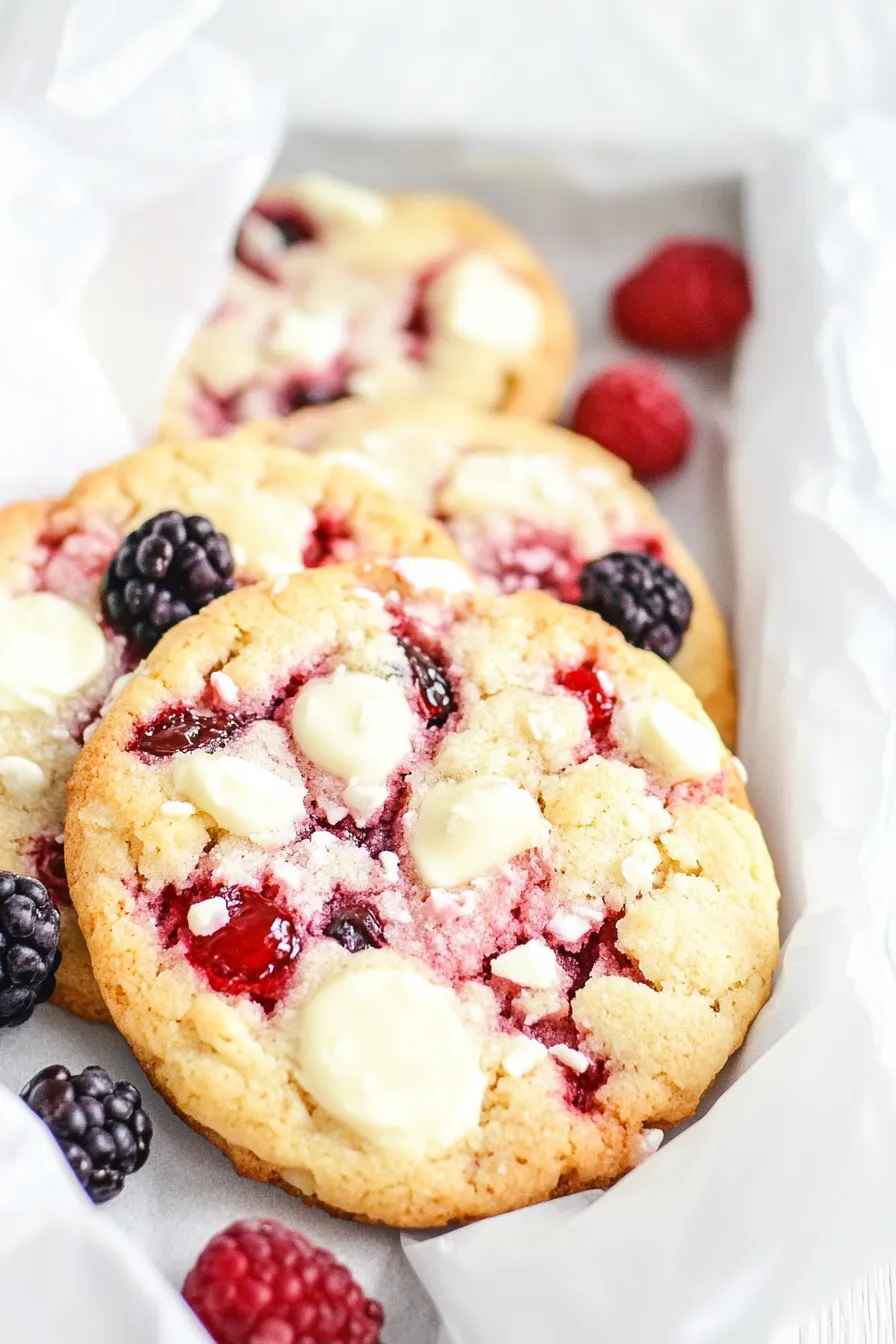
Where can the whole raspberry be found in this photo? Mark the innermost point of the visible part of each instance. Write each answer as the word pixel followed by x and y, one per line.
pixel 638 414
pixel 690 297
pixel 258 1282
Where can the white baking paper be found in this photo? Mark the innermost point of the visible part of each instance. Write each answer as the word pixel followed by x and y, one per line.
pixel 130 149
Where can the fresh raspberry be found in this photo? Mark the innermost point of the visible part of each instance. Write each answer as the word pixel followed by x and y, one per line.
pixel 258 1282
pixel 637 413
pixel 690 297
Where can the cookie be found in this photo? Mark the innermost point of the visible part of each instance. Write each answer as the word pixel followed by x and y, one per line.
pixel 453 907
pixel 337 291
pixel 528 505
pixel 60 664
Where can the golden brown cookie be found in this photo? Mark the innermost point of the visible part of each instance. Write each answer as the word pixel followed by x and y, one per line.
pixel 451 907
pixel 337 291
pixel 528 505
pixel 278 509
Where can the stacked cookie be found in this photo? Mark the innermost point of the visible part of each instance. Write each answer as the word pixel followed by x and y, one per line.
pixel 413 883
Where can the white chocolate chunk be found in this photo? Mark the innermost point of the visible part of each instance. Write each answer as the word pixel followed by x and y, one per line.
pixel 312 341
pixel 385 1051
pixel 468 828
pixel 177 807
pixel 481 302
pixel 339 201
pixel 520 484
pixel 270 534
pixel 117 687
pixel 521 1054
pixel 241 797
pixel 21 778
pixel 225 688
pixel 649 1141
pixel 207 917
pixel 670 740
pixel 423 572
pixel 572 1059
pixel 640 864
pixel 390 863
pixel 742 771
pixel 364 799
pixel 354 726
pixel 532 965
pixel 567 927
pixel 51 649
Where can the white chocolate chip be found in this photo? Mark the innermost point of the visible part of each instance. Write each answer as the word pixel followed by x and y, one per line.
pixel 368 595
pixel 312 341
pixel 90 730
pixel 225 688
pixel 519 484
pixel 21 778
pixel 269 534
pixel 335 814
pixel 444 903
pixel 468 828
pixel 379 472
pixel 177 807
pixel 423 572
pixel 742 771
pixel 354 726
pixel 670 740
pixel 572 1059
pixel 51 649
pixel 521 1054
pixel 207 917
pixel 241 797
pixel 532 965
pixel 640 864
pixel 567 927
pixel 386 1052
pixel 280 584
pixel 481 302
pixel 339 201
pixel 238 552
pixel 390 864
pixel 649 1141
pixel 364 799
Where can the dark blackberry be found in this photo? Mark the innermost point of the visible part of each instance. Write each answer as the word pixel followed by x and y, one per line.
pixel 100 1126
pixel 29 947
pixel 168 569
pixel 432 684
pixel 642 597
pixel 356 928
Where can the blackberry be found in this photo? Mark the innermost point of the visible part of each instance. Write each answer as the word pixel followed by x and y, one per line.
pixel 356 928
pixel 100 1126
pixel 29 947
pixel 433 686
pixel 168 569
pixel 642 597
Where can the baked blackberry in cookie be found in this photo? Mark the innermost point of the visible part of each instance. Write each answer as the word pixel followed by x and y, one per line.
pixel 261 509
pixel 453 907
pixel 340 292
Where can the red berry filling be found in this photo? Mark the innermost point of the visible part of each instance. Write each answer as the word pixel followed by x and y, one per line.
pixel 303 390
pixel 356 928
pixel 331 541
pixel 293 224
pixel 594 688
pixel 49 866
pixel 531 557
pixel 645 543
pixel 184 729
pixel 252 954
pixel 417 325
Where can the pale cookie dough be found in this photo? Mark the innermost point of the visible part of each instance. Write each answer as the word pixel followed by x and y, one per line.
pixel 60 663
pixel 527 504
pixel 529 944
pixel 338 292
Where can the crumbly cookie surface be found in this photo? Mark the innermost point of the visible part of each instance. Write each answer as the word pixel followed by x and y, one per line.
pixel 341 292
pixel 453 907
pixel 527 504
pixel 279 510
